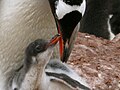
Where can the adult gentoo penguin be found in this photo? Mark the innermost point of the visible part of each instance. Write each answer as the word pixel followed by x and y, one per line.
pixel 20 23
pixel 53 75
pixel 68 14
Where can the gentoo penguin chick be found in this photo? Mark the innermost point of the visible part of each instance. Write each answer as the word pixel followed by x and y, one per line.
pixel 68 14
pixel 39 51
pixel 53 75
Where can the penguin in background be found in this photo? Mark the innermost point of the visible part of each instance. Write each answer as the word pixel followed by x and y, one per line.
pixel 115 16
pixel 115 24
pixel 99 18
pixel 95 19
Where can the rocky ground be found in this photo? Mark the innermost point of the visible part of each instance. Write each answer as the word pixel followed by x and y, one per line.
pixel 98 60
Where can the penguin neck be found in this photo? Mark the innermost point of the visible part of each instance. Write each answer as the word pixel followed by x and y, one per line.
pixel 37 69
pixel 41 80
pixel 31 62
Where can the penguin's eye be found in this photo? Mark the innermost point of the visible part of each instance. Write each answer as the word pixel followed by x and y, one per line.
pixel 38 48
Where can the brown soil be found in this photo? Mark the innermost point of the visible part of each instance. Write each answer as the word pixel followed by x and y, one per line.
pixel 98 60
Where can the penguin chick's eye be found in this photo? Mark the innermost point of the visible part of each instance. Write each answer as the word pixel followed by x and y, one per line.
pixel 38 48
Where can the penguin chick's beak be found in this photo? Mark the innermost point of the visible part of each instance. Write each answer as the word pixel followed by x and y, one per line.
pixel 54 40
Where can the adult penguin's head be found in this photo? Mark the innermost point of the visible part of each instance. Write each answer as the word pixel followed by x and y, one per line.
pixel 67 14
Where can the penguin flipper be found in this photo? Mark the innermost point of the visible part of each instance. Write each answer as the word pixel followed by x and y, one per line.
pixel 65 79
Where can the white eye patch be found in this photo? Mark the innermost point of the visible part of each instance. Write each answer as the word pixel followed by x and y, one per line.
pixel 62 8
pixel 34 60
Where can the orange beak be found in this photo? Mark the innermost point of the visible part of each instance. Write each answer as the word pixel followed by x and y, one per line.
pixel 61 44
pixel 54 40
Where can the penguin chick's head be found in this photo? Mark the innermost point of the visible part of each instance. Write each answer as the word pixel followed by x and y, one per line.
pixel 40 49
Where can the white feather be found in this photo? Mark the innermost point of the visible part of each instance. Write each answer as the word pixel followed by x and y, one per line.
pixel 62 8
pixel 2 81
pixel 69 72
pixel 109 28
